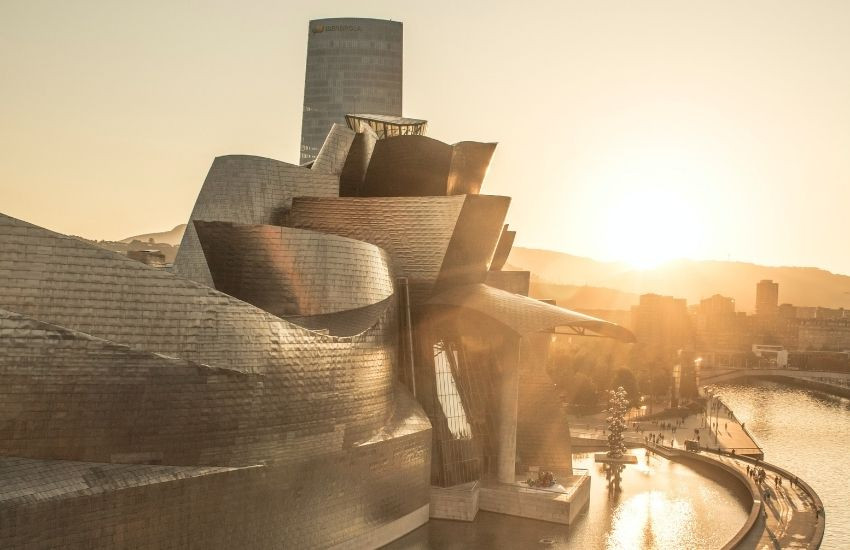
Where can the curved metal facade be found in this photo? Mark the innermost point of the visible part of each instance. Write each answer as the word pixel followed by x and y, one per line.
pixel 168 371
pixel 523 315
pixel 357 162
pixel 288 271
pixel 449 240
pixel 246 189
pixel 331 157
pixel 418 166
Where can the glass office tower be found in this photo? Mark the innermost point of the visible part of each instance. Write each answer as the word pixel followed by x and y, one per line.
pixel 354 65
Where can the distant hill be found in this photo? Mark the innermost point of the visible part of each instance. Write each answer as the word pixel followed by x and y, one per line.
pixel 172 237
pixel 582 298
pixel 693 280
pixel 583 283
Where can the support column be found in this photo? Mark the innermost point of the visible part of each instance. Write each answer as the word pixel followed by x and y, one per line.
pixel 405 340
pixel 508 394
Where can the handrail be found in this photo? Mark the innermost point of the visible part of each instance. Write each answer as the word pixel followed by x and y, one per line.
pixel 821 526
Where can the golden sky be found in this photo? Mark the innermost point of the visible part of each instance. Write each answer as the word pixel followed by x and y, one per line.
pixel 638 131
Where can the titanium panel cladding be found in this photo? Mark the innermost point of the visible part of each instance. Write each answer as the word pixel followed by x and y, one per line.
pixel 354 65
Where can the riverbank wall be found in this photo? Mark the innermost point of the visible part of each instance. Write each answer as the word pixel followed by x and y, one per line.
pixel 800 379
pixel 747 492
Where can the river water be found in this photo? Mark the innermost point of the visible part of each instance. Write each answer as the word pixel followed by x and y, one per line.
pixel 807 433
pixel 663 505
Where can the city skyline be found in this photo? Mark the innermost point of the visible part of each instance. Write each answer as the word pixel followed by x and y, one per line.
pixel 746 105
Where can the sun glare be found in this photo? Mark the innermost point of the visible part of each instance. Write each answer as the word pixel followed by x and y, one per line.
pixel 648 227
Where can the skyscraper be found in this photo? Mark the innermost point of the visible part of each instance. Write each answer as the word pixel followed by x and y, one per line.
pixel 767 298
pixel 354 65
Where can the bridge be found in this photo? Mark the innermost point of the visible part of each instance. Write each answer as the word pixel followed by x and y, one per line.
pixel 836 383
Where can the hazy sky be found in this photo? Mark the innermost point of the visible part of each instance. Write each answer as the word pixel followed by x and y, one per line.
pixel 627 130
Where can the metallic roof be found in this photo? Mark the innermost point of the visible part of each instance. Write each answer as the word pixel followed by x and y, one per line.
pixel 525 315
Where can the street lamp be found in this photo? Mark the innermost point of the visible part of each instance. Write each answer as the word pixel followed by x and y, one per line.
pixel 706 414
pixel 716 415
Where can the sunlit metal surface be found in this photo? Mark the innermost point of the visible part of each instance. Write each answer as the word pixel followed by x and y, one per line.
pixel 334 151
pixel 108 361
pixel 288 271
pixel 246 189
pixel 450 239
pixel 503 249
pixel 525 315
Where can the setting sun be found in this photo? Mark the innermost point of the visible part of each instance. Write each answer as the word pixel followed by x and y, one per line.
pixel 649 227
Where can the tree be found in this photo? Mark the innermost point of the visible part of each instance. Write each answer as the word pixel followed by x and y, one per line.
pixel 688 383
pixel 661 377
pixel 618 404
pixel 583 391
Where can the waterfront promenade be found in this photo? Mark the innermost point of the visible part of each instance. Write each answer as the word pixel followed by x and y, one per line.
pixel 793 517
pixel 719 430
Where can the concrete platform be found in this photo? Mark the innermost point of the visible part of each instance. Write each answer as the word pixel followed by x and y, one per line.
pixel 459 502
pixel 625 459
pixel 558 504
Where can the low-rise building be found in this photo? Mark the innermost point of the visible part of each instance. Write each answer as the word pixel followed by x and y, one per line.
pixel 824 334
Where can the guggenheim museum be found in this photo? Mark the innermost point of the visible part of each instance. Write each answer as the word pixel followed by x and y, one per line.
pixel 335 356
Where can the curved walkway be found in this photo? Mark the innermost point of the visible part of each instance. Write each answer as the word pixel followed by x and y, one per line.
pixel 792 517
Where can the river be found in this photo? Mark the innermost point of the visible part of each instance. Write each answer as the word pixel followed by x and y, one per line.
pixel 668 505
pixel 806 433
pixel 662 505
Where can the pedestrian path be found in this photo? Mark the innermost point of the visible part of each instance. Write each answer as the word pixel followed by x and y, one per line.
pixel 719 431
pixel 791 517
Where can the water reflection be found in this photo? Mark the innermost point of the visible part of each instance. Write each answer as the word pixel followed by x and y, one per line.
pixel 659 504
pixel 613 474
pixel 807 433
